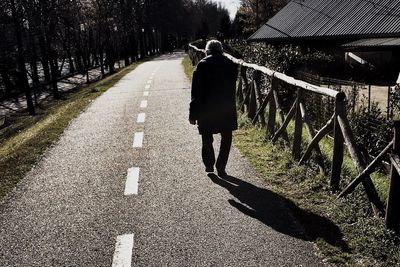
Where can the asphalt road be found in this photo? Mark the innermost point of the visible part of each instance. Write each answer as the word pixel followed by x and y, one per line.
pixel 76 208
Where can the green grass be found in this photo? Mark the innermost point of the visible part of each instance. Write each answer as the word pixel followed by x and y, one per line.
pixel 188 67
pixel 359 237
pixel 344 230
pixel 23 143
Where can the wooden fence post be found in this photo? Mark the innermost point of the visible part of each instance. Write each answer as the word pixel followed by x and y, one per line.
pixel 257 90
pixel 252 107
pixel 389 95
pixel 356 155
pixel 298 128
pixel 338 143
pixel 285 135
pixel 246 91
pixel 272 109
pixel 393 203
pixel 239 91
pixel 311 132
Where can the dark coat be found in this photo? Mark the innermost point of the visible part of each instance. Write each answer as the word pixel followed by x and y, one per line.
pixel 213 102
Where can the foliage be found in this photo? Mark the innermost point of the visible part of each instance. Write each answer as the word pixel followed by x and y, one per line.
pixel 395 102
pixel 253 13
pixel 371 128
pixel 286 58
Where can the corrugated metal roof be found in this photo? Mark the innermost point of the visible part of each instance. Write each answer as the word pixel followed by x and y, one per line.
pixel 324 19
pixel 374 42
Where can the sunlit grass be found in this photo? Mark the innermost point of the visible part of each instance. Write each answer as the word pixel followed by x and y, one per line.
pixel 367 239
pixel 187 65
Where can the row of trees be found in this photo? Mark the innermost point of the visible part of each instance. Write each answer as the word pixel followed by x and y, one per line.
pixel 253 13
pixel 43 40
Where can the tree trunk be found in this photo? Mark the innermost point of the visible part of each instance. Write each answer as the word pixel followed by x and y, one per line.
pixel 53 69
pixel 134 47
pixel 102 62
pixel 45 58
pixel 8 85
pixel 70 60
pixel 21 72
pixel 34 66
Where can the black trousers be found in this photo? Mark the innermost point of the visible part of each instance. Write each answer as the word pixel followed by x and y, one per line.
pixel 207 150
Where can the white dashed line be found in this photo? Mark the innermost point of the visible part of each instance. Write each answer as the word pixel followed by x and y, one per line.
pixel 149 81
pixel 138 139
pixel 143 104
pixel 146 93
pixel 141 117
pixel 123 251
pixel 148 86
pixel 132 182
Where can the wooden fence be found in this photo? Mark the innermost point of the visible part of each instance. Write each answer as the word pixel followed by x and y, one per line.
pixel 254 103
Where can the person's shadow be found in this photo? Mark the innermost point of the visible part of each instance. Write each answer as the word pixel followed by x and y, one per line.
pixel 273 210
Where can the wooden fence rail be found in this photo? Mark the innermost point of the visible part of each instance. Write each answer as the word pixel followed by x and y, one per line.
pixel 254 103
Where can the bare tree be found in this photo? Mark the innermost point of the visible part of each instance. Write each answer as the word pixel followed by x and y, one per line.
pixel 61 37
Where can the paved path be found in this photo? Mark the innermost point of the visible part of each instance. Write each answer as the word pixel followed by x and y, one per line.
pixel 81 205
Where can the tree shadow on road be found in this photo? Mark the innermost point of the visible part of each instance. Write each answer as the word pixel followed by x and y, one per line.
pixel 279 213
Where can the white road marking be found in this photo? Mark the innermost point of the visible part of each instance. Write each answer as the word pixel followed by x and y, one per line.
pixel 146 93
pixel 138 139
pixel 123 251
pixel 132 182
pixel 141 117
pixel 143 104
pixel 149 81
pixel 148 86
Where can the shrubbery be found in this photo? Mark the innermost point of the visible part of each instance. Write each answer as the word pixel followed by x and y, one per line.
pixel 371 128
pixel 285 59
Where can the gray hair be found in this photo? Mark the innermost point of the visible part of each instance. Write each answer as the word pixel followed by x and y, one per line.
pixel 214 46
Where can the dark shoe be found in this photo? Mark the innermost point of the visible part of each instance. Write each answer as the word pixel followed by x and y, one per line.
pixel 222 174
pixel 209 169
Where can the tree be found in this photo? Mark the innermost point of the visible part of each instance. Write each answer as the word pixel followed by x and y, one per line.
pixel 21 73
pixel 58 37
pixel 253 13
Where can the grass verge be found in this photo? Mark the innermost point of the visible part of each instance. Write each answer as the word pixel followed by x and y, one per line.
pixel 344 230
pixel 24 142
pixel 188 67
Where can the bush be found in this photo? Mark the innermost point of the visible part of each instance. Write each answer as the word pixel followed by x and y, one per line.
pixel 371 127
pixel 285 59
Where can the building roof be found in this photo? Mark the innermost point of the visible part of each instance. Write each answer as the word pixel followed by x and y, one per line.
pixel 332 19
pixel 374 42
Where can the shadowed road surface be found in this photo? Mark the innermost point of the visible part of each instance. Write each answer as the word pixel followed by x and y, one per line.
pixel 121 189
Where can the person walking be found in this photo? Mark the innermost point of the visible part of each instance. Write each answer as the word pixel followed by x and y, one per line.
pixel 213 104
